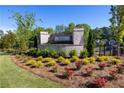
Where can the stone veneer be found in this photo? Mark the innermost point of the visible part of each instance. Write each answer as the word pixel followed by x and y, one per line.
pixel 77 39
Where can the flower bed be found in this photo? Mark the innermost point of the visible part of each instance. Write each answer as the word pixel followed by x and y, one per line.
pixel 76 72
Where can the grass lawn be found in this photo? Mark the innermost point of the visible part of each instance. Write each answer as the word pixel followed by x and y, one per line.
pixel 12 76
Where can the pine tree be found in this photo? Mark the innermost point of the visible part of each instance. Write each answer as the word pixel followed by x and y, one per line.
pixel 90 44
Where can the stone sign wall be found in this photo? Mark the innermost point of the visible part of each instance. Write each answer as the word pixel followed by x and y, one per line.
pixel 63 41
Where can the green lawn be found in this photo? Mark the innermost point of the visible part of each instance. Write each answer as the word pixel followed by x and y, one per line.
pixel 11 76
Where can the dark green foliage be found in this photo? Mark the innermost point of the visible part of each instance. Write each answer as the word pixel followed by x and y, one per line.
pixel 70 27
pixel 61 53
pixel 73 53
pixel 32 52
pixel 53 53
pixel 91 44
pixel 83 54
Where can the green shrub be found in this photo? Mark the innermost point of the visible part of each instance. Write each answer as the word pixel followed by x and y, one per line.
pixel 61 59
pixel 73 53
pixel 32 52
pixel 62 53
pixel 74 59
pixel 53 53
pixel 45 53
pixel 39 52
pixel 18 56
pixel 52 63
pixel 83 54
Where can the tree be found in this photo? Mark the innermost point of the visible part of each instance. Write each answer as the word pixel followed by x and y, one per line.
pixel 87 29
pixel 60 28
pixel 117 22
pixel 49 30
pixel 113 20
pixel 25 25
pixel 8 40
pixel 70 27
pixel 1 33
pixel 91 43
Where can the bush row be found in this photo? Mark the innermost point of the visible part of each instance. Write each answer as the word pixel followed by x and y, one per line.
pixel 53 53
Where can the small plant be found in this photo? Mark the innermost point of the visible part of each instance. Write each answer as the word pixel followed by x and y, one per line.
pixel 39 52
pixel 54 69
pixel 18 56
pixel 67 62
pixel 102 58
pixel 52 63
pixel 73 53
pixel 32 52
pixel 39 64
pixel 117 57
pixel 89 70
pixel 100 82
pixel 61 59
pixel 47 59
pixel 83 54
pixel 102 65
pixel 62 53
pixel 113 73
pixel 31 62
pixel 92 59
pixel 74 59
pixel 68 73
pixel 53 53
pixel 78 65
pixel 40 58
pixel 119 69
pixel 86 61
pixel 116 61
pixel 45 53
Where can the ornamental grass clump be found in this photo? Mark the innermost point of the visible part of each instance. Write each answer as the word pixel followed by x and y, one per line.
pixel 61 59
pixel 31 62
pixel 74 59
pixel 116 61
pixel 38 64
pixel 52 63
pixel 102 58
pixel 47 59
pixel 67 62
pixel 92 59
pixel 86 61
pixel 40 58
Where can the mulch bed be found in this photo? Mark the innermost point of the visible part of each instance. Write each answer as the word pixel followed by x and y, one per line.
pixel 78 79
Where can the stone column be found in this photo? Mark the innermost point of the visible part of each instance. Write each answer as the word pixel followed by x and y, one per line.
pixel 78 36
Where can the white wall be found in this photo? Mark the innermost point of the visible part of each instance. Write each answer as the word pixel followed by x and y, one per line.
pixel 44 37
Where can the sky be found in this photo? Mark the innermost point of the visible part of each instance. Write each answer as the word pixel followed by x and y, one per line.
pixel 95 16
